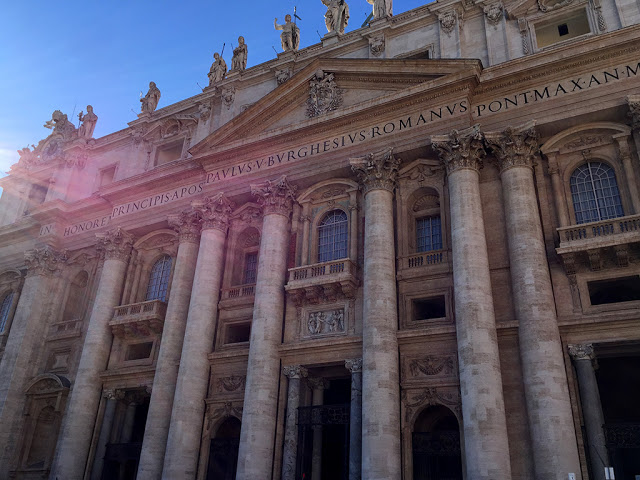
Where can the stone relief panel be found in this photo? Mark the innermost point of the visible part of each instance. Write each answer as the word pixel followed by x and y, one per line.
pixel 230 385
pixel 330 320
pixel 413 401
pixel 429 367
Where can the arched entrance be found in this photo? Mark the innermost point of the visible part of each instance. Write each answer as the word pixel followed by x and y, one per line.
pixel 223 451
pixel 436 445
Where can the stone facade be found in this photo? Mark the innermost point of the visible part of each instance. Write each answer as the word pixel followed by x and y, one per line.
pixel 410 251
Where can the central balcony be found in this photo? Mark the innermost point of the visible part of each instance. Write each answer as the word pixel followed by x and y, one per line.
pixel 138 319
pixel 327 280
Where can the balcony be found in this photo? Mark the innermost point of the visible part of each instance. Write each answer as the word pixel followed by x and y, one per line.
pixel 599 241
pixel 65 329
pixel 424 263
pixel 138 319
pixel 238 295
pixel 322 281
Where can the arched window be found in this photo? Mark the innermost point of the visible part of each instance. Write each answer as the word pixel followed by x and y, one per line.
pixel 428 234
pixel 332 236
pixel 5 308
pixel 595 193
pixel 159 279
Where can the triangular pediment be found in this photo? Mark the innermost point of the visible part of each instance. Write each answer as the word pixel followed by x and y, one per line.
pixel 362 85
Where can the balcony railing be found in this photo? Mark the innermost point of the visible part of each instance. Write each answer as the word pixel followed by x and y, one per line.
pixel 323 280
pixel 139 319
pixel 603 233
pixel 64 329
pixel 423 259
pixel 239 291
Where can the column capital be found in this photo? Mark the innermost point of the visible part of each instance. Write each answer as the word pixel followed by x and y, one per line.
pixel 276 196
pixel 377 170
pixel 582 351
pixel 116 243
pixel 295 371
pixel 514 147
pixel 188 225
pixel 44 261
pixel 460 149
pixel 214 211
pixel 634 111
pixel 354 365
pixel 113 394
pixel 318 383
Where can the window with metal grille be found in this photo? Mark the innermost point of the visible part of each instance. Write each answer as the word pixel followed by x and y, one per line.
pixel 250 267
pixel 332 236
pixel 428 234
pixel 5 307
pixel 159 279
pixel 595 193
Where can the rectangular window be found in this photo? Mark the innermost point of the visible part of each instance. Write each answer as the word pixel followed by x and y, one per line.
pixel 139 351
pixel 250 267
pixel 428 234
pixel 107 175
pixel 429 308
pixel 238 333
pixel 169 152
pixel 572 25
pixel 616 290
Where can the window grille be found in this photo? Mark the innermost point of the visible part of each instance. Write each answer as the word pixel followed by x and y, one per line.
pixel 250 267
pixel 595 193
pixel 332 236
pixel 159 279
pixel 4 310
pixel 428 234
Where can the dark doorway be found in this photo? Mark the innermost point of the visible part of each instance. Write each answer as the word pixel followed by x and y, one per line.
pixel 332 421
pixel 436 445
pixel 619 385
pixel 223 451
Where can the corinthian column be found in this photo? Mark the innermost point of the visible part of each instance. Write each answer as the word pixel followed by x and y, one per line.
pixel 44 268
pixel 75 438
pixel 183 444
pixel 634 113
pixel 583 358
pixel 187 224
pixel 486 445
pixel 293 373
pixel 261 391
pixel 555 452
pixel 380 371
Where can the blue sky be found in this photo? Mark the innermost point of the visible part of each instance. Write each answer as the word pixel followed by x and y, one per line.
pixel 67 54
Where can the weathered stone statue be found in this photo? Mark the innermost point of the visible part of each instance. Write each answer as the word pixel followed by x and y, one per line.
pixel 337 15
pixel 89 121
pixel 290 36
pixel 239 60
pixel 151 99
pixel 381 8
pixel 218 69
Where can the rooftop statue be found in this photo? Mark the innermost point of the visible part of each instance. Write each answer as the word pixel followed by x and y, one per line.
pixel 61 126
pixel 337 15
pixel 218 69
pixel 381 8
pixel 89 121
pixel 151 99
pixel 290 36
pixel 239 60
pixel 51 147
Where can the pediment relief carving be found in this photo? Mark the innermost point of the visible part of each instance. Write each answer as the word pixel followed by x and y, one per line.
pixel 582 137
pixel 153 241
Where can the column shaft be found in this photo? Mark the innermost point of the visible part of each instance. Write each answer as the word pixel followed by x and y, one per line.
pixel 591 408
pixel 164 381
pixel 355 419
pixel 183 445
pixel 261 391
pixel 75 437
pixel 317 399
pixel 289 454
pixel 105 433
pixel 558 191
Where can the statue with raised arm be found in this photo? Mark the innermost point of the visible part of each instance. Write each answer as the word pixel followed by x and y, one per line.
pixel 381 8
pixel 218 69
pixel 151 99
pixel 239 60
pixel 290 36
pixel 89 121
pixel 337 15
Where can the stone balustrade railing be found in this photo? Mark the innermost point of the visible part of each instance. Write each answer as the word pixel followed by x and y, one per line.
pixel 322 269
pixel 138 319
pixel 423 259
pixel 598 234
pixel 64 329
pixel 323 280
pixel 239 291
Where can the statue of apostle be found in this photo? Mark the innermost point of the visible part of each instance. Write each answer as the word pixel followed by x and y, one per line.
pixel 89 121
pixel 290 36
pixel 218 69
pixel 337 15
pixel 151 99
pixel 381 8
pixel 239 60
